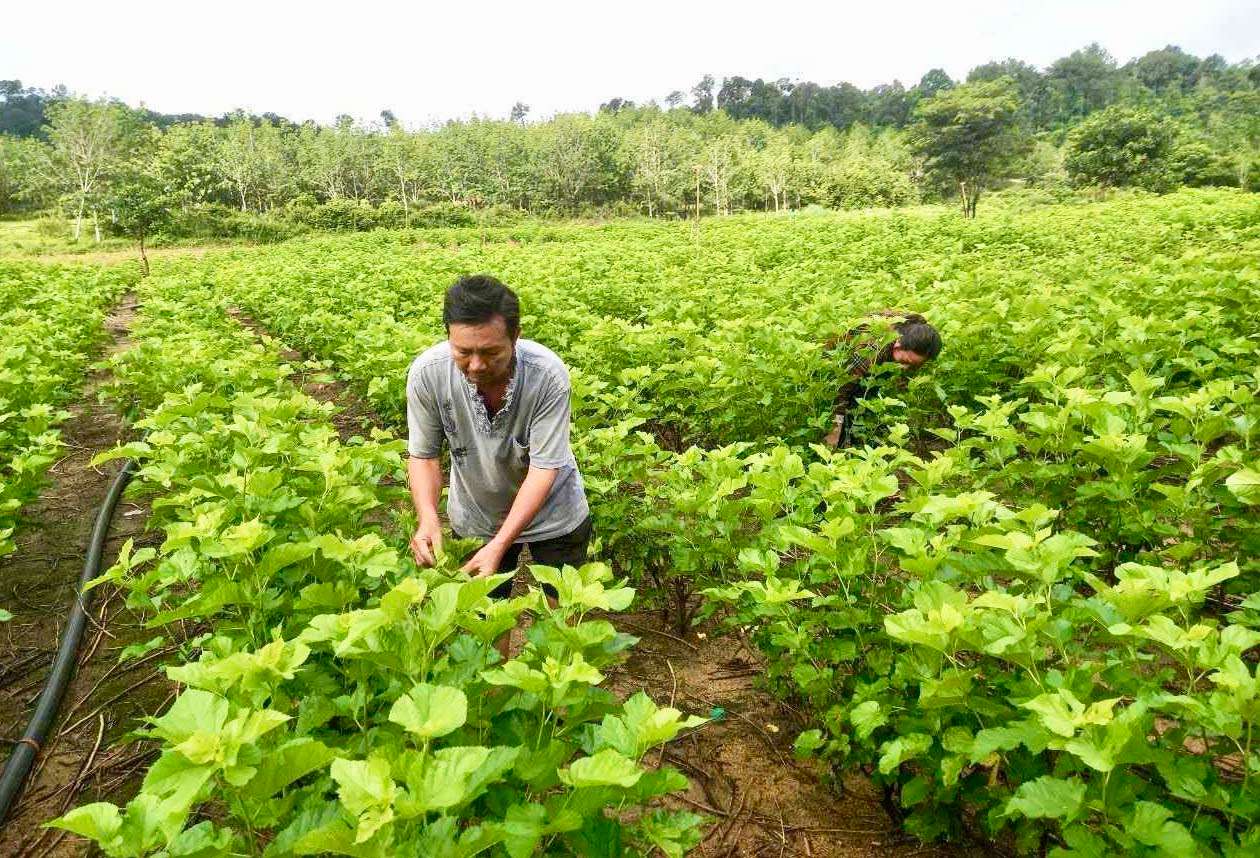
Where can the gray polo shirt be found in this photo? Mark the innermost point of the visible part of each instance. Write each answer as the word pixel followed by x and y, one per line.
pixel 489 457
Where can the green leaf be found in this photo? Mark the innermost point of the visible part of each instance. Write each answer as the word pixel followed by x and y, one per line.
pixel 606 768
pixel 640 726
pixel 100 822
pixel 367 791
pixel 518 674
pixel 675 833
pixel 203 840
pixel 1152 825
pixel 429 711
pixel 1245 485
pixel 866 717
pixel 584 587
pixel 286 764
pixel 897 751
pixel 808 742
pixel 280 556
pixel 194 711
pixel 444 779
pixel 1047 798
pixel 523 828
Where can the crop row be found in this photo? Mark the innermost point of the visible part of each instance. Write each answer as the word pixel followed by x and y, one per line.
pixel 335 700
pixel 51 322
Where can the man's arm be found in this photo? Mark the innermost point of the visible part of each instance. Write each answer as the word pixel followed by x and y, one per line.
pixel 843 404
pixel 424 478
pixel 424 469
pixel 529 499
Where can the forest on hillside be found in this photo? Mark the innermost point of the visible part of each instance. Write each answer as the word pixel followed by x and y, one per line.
pixel 1162 120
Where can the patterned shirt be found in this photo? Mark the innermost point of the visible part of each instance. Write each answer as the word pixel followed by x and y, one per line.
pixel 864 346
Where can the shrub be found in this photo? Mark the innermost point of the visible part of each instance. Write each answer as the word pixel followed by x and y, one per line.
pixel 1121 146
pixel 1197 164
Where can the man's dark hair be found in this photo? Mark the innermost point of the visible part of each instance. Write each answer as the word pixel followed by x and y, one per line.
pixel 476 299
pixel 918 336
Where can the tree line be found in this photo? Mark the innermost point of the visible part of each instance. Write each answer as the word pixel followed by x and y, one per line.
pixel 1164 119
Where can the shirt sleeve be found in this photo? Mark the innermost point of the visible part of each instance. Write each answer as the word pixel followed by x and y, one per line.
pixel 424 423
pixel 549 427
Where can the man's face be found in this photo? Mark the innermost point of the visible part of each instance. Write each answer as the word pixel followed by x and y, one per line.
pixel 907 358
pixel 482 352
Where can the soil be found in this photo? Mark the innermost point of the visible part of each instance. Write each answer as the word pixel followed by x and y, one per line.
pixel 105 699
pixel 761 800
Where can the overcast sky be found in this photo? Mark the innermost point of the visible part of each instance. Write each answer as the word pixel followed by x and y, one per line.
pixel 428 61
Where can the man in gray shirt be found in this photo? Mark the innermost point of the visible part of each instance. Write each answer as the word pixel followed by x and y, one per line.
pixel 501 404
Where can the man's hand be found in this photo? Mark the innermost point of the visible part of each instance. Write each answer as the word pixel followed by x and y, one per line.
pixel 426 543
pixel 486 561
pixel 833 437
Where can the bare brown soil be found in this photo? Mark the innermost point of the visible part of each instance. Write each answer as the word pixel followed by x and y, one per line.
pixel 762 801
pixel 106 699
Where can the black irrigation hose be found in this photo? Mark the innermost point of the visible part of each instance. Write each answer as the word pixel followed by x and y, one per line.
pixel 28 747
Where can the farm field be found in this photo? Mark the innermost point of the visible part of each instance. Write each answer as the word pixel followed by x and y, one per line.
pixel 1023 610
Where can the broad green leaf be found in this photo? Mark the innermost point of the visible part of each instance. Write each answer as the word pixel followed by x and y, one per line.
pixel 1152 825
pixel 606 768
pixel 866 717
pixel 429 711
pixel 367 791
pixel 641 725
pixel 673 832
pixel 1047 798
pixel 444 778
pixel 100 822
pixel 1245 485
pixel 288 763
pixel 901 749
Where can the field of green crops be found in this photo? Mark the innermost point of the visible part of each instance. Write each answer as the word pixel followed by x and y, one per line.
pixel 1028 603
pixel 51 318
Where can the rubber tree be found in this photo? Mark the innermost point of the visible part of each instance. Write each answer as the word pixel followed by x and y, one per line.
pixel 87 139
pixel 140 200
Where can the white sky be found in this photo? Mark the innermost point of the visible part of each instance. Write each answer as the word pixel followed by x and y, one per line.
pixel 435 60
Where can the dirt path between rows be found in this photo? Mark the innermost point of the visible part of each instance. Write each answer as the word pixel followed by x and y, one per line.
pixel 762 800
pixel 105 699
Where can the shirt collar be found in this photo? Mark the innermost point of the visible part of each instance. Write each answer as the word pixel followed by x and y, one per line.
pixel 485 423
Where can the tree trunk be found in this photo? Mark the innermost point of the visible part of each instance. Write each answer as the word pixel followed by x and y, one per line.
pixel 78 220
pixel 144 258
pixel 402 189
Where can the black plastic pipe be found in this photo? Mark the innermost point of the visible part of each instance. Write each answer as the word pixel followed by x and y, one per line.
pixel 28 747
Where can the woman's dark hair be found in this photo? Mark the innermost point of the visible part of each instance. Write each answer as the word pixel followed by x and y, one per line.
pixel 476 299
pixel 918 336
